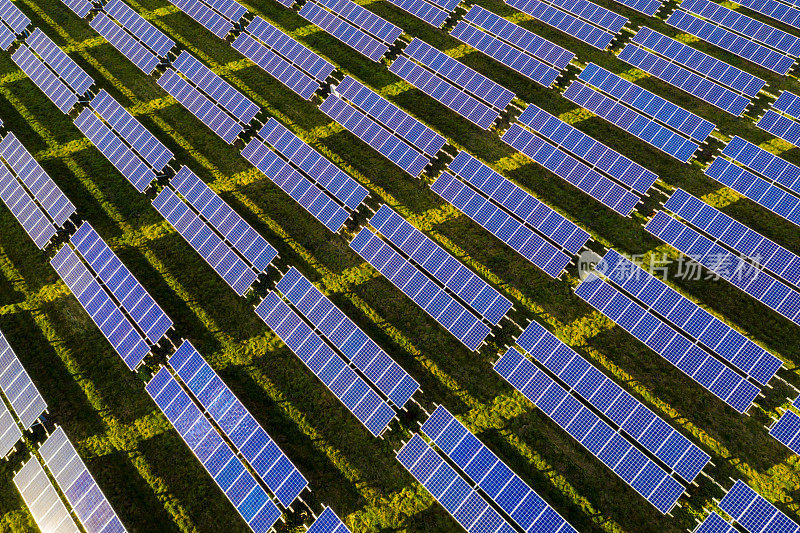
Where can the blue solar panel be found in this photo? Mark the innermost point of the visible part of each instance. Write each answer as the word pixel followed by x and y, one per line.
pixel 572 26
pixel 364 19
pixel 248 437
pixel 774 9
pixel 119 331
pixel 789 104
pixel 753 512
pixel 421 249
pixel 442 481
pixel 36 180
pixel 13 17
pixel 123 158
pixel 492 475
pixel 210 20
pixel 116 277
pixel 58 93
pixel 692 319
pixel 742 274
pixel 7 38
pixel 689 358
pixel 502 225
pixel 630 415
pixel 230 9
pixel 208 244
pixel 125 126
pixel 648 7
pixel 69 71
pixel 378 137
pixel 276 66
pixel 376 365
pixel 18 387
pixel 328 522
pixel 204 109
pixel 302 190
pixel 231 476
pixel 38 492
pixel 714 523
pixel 78 486
pixel 635 468
pixel 143 30
pixel 592 13
pixel 125 43
pixel 787 430
pixel 446 310
pixel 10 433
pixel 423 10
pixel 780 126
pixel 344 31
pixel 32 218
pixel 79 7
pixel 341 380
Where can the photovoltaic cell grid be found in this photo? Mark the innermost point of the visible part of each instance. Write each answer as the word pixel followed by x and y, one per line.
pixel 143 30
pixel 219 256
pixel 227 470
pixel 780 11
pixel 492 476
pixel 565 22
pixel 753 512
pixel 13 17
pixel 692 319
pixel 119 331
pixel 328 522
pixel 714 523
pixel 460 500
pixel 689 358
pixel 275 65
pixel 79 7
pixel 207 17
pixel 374 134
pixel 450 272
pixel 364 19
pixel 32 218
pixel 780 126
pixel 7 38
pixel 612 449
pixel 423 10
pixel 787 430
pixel 78 485
pixel 230 9
pixel 18 388
pixel 42 500
pixel 376 365
pixel 248 437
pixel 344 31
pixel 36 180
pixel 648 7
pixel 125 43
pixel 335 374
pixel 10 433
pixel 313 199
pixel 69 71
pixel 447 311
pixel 630 415
pixel 58 92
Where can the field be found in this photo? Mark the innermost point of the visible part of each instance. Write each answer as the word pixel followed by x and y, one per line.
pixel 149 475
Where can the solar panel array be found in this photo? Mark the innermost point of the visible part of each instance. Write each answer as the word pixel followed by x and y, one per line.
pixel 787 430
pixel 18 387
pixel 783 119
pixel 648 7
pixel 78 486
pixel 426 11
pixel 44 78
pixel 565 22
pixel 690 318
pixel 10 433
pixel 626 412
pixel 753 512
pixel 451 490
pixel 12 17
pixel 350 388
pixel 229 473
pixel 780 11
pixel 264 456
pixel 634 467
pixel 364 19
pixel 328 522
pixel 7 38
pixel 369 358
pixel 42 500
pixel 446 310
pixel 79 7
pixel 207 17
pixel 125 43
pixel 309 195
pixel 32 217
pixel 59 62
pixel 492 475
pixel 144 31
pixel 201 236
pixel 714 523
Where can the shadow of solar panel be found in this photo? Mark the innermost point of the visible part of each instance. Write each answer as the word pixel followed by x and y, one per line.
pixel 572 26
pixel 240 487
pixel 125 43
pixel 58 92
pixel 41 498
pixel 787 430
pixel 10 433
pixel 612 449
pixel 207 17
pixel 32 218
pixel 780 11
pixel 338 377
pixel 79 7
pixel 780 126
pixel 344 31
pixel 424 11
pixel 714 523
pixel 753 512
pixel 18 387
pixel 143 30
pixel 69 71
pixel 328 522
pixel 12 17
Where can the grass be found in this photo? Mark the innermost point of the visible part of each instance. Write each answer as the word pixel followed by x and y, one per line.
pixel 149 475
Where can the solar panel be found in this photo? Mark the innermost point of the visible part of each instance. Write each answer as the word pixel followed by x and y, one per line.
pixel 753 512
pixel 7 38
pixel 369 358
pixel 207 17
pixel 42 500
pixel 79 7
pixel 338 377
pixel 230 9
pixel 571 170
pixel 273 64
pixel 364 19
pixel 28 214
pixel 140 28
pixel 442 481
pixel 328 522
pixel 787 430
pixel 316 166
pixel 427 12
pixel 788 103
pixel 572 26
pixel 371 132
pixel 626 412
pixel 10 433
pixel 230 475
pixel 303 191
pixel 347 33
pixel 648 7
pixel 18 387
pixel 69 71
pixel 219 90
pixel 201 107
pixel 78 485
pixel 58 93
pixel 421 249
pixel 208 244
pixel 513 199
pixel 780 126
pixel 492 475
pixel 693 320
pixel 125 43
pixel 119 331
pixel 446 310
pixel 729 386
pixel 714 523
pixel 444 92
pixel 36 180
pixel 782 12
pixel 263 455
pixel 117 152
pixel 124 125
pixel 635 468
pixel 13 17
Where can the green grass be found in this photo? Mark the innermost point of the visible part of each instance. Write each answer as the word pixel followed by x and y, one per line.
pixel 149 475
